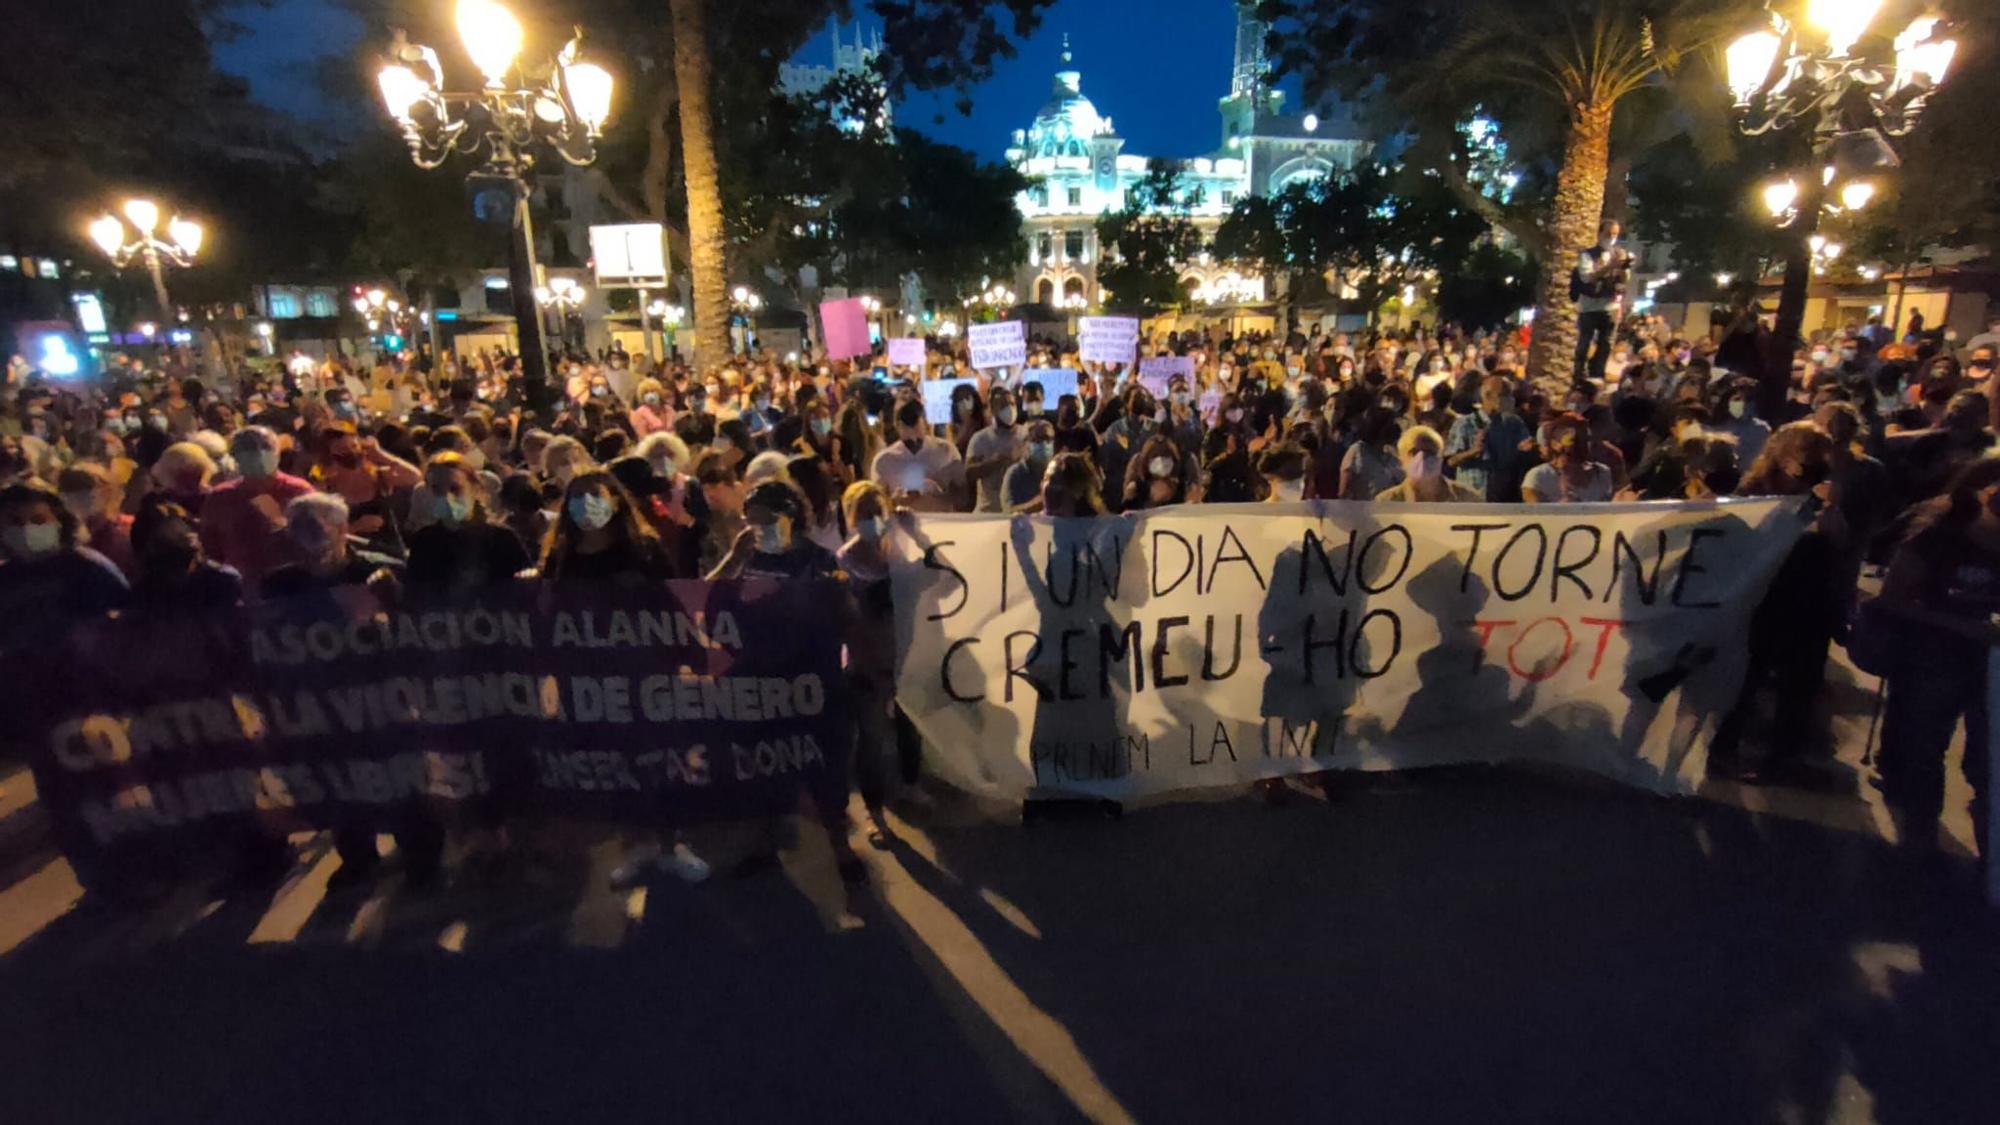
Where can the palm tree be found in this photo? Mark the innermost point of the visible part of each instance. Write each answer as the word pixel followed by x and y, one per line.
pixel 704 194
pixel 1587 64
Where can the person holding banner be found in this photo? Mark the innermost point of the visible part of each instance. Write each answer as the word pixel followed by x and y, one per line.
pixel 51 579
pixel 1934 619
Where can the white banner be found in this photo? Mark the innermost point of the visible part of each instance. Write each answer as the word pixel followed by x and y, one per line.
pixel 1107 339
pixel 1001 344
pixel 1214 645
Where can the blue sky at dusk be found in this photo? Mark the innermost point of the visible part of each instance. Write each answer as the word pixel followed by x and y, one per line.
pixel 1159 88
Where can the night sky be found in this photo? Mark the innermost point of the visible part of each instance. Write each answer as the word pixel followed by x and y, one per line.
pixel 1160 97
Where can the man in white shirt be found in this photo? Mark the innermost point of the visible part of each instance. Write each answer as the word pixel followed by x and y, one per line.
pixel 992 450
pixel 1600 287
pixel 922 472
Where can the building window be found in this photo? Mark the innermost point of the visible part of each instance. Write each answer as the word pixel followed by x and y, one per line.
pixel 1045 246
pixel 1073 244
pixel 1228 198
pixel 1073 287
pixel 281 305
pixel 49 270
pixel 1040 195
pixel 319 302
pixel 1045 291
pixel 1076 197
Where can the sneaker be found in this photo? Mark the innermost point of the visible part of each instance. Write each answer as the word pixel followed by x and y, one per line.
pixel 682 861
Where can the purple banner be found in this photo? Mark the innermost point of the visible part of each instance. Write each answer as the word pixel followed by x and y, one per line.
pixel 652 706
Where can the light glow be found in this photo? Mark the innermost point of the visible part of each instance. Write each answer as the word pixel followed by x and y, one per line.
pixel 144 213
pixel 1855 196
pixel 186 234
pixel 1842 21
pixel 589 93
pixel 492 36
pixel 1779 197
pixel 401 90
pixel 108 233
pixel 1749 61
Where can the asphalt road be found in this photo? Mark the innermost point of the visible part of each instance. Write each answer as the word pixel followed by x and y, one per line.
pixel 1449 945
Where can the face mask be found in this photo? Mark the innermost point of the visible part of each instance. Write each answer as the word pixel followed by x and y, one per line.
pixel 1293 372
pixel 1234 415
pixel 762 403
pixel 1181 398
pixel 1033 407
pixel 1437 366
pixel 1040 450
pixel 157 421
pixel 1847 355
pixel 83 504
pixel 1288 489
pixel 592 511
pixel 1004 415
pixel 1819 355
pixel 33 540
pixel 599 392
pixel 822 426
pixel 651 399
pixel 453 510
pixel 344 409
pixel 1160 466
pixel 872 528
pixel 255 464
pixel 711 390
pixel 771 539
pixel 1738 408
pixel 1422 466
pixel 962 409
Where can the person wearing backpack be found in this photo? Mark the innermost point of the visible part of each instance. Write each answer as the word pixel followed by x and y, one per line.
pixel 1597 285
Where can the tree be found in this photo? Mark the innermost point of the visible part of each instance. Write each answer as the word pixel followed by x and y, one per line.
pixel 1280 237
pixel 1149 239
pixel 1431 63
pixel 1486 289
pixel 1703 201
pixel 704 207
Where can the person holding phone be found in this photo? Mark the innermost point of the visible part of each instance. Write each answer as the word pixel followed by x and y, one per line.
pixel 919 471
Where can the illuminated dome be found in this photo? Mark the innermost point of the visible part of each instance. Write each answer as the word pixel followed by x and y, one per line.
pixel 1067 121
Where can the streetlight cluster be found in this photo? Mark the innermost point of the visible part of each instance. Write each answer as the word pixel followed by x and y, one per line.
pixel 142 241
pixel 1851 84
pixel 564 105
pixel 376 307
pixel 994 296
pixel 563 294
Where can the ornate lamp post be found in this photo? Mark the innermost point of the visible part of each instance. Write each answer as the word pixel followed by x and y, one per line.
pixel 1851 84
pixel 562 104
pixel 564 296
pixel 178 248
pixel 669 318
pixel 743 304
pixel 378 309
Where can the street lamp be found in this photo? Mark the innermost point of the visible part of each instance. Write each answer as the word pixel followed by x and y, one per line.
pixel 1852 85
pixel 565 296
pixel 744 304
pixel 669 318
pixel 563 105
pixel 178 248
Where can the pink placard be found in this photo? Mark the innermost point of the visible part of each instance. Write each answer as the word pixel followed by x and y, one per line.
pixel 906 351
pixel 845 326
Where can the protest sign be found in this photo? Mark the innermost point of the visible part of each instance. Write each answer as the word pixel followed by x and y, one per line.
pixel 1056 382
pixel 1107 339
pixel 937 398
pixel 1001 344
pixel 1215 645
pixel 906 351
pixel 1155 371
pixel 683 701
pixel 844 325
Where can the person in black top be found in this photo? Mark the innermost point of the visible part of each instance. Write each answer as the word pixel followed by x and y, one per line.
pixel 773 544
pixel 333 578
pixel 463 551
pixel 174 576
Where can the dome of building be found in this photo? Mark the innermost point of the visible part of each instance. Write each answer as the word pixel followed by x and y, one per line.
pixel 1067 121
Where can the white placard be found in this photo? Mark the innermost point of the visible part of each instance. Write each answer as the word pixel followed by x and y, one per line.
pixel 937 398
pixel 1211 645
pixel 1001 344
pixel 628 255
pixel 1107 339
pixel 1056 382
pixel 906 351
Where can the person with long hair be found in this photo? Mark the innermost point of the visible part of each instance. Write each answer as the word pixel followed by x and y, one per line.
pixel 1938 600
pixel 1369 465
pixel 1795 623
pixel 1156 477
pixel 871 648
pixel 1073 487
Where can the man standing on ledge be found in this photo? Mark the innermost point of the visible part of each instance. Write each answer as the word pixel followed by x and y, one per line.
pixel 1599 289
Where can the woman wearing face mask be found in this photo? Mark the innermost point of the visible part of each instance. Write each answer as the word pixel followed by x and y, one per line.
pixel 1369 465
pixel 695 423
pixel 1155 477
pixel 1794 624
pixel 462 552
pixel 1934 620
pixel 652 415
pixel 51 579
pixel 817 439
pixel 89 494
pixel 601 541
pixel 1021 488
pixel 773 542
pixel 871 649
pixel 968 416
pixel 1421 451
pixel 680 512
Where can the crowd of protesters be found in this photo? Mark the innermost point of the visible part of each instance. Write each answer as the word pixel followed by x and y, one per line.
pixel 151 486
